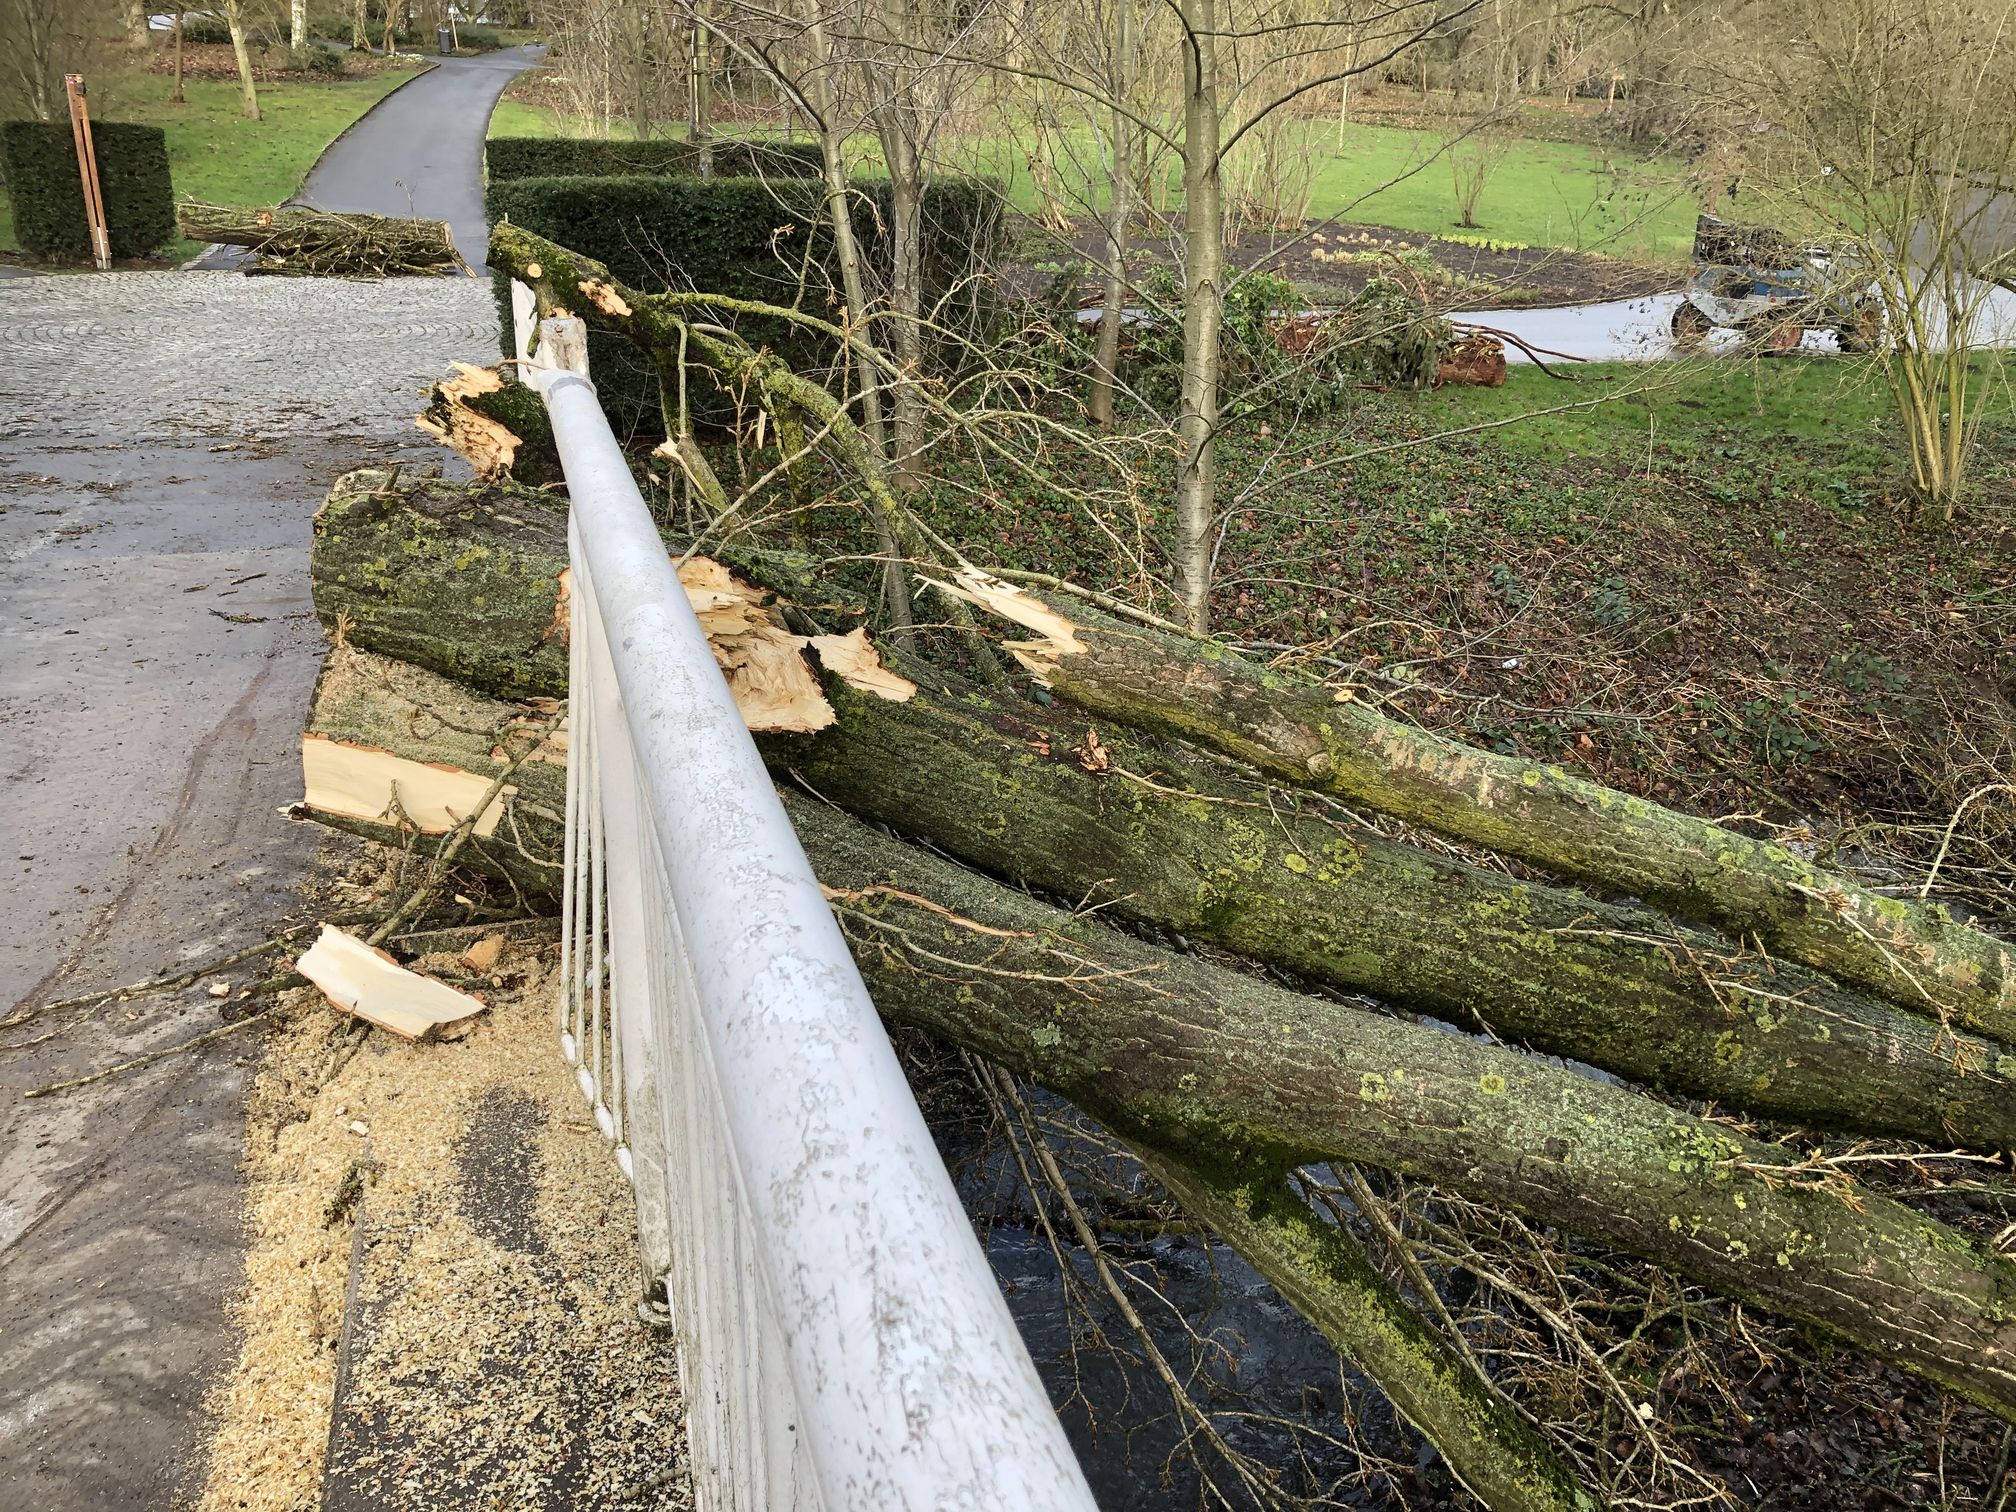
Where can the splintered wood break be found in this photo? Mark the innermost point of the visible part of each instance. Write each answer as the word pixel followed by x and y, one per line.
pixel 855 661
pixel 1059 634
pixel 767 677
pixel 489 447
pixel 376 988
pixel 361 782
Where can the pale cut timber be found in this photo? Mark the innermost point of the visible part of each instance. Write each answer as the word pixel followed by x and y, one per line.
pixel 377 989
pixel 853 659
pixel 362 782
pixel 487 445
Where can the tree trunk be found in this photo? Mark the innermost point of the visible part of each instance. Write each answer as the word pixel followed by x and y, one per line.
pixel 1916 954
pixel 1230 1082
pixel 247 90
pixel 1119 217
pixel 1203 313
pixel 176 95
pixel 700 99
pixel 325 241
pixel 297 24
pixel 854 284
pixel 467 582
pixel 139 38
pixel 1171 845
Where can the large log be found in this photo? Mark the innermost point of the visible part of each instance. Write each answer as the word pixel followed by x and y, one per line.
pixel 1000 785
pixel 300 240
pixel 1915 953
pixel 1167 843
pixel 1227 1074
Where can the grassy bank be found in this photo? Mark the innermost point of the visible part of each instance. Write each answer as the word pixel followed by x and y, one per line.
pixel 215 154
pixel 1537 192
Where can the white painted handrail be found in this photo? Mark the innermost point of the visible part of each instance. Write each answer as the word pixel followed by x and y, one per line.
pixel 843 1341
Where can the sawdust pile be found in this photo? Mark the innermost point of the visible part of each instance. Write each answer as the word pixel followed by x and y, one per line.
pixel 494 1354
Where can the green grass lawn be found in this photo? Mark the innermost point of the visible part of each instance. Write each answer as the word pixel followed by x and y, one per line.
pixel 1541 193
pixel 215 154
pixel 515 118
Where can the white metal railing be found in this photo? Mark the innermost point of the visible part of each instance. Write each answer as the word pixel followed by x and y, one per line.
pixel 843 1343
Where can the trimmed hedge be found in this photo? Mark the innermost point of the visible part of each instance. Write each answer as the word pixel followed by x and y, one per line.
pixel 38 161
pixel 742 238
pixel 560 157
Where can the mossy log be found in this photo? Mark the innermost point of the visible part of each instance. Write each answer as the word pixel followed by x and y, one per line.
pixel 1235 1082
pixel 1914 953
pixel 1171 844
pixel 302 240
pixel 467 581
pixel 1152 837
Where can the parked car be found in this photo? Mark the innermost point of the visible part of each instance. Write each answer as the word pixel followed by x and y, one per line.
pixel 1766 285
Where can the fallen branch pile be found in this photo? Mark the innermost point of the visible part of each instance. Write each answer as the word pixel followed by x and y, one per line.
pixel 1193 799
pixel 304 242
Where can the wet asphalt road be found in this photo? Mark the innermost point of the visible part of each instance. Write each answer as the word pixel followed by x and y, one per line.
pixel 164 441
pixel 415 153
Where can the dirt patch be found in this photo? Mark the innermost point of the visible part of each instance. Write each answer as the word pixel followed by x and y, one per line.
pixel 494 1355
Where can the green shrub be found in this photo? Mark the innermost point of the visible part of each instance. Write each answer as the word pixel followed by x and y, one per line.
pixel 744 239
pixel 479 38
pixel 318 62
pixel 331 27
pixel 205 30
pixel 38 162
pixel 563 157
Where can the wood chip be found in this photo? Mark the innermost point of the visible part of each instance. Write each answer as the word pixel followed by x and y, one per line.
pixel 376 988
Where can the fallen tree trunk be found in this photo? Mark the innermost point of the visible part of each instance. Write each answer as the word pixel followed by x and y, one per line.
pixel 299 240
pixel 1916 954
pixel 1228 1075
pixel 1155 839
pixel 1171 845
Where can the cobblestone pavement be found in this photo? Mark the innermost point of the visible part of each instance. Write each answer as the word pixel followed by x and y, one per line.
pixel 154 355
pixel 164 441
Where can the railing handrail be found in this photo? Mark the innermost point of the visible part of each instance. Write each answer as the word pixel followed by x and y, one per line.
pixel 913 1387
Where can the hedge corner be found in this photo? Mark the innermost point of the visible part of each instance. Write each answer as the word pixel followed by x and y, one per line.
pixel 38 160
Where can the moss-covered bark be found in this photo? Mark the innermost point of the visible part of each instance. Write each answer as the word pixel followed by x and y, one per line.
pixel 462 580
pixel 1619 987
pixel 1916 954
pixel 1227 1072
pixel 1169 844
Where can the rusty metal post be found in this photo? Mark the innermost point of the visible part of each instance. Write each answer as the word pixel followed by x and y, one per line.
pixel 87 169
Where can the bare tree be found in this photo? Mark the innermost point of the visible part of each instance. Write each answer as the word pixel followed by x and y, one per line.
pixel 235 20
pixel 1884 128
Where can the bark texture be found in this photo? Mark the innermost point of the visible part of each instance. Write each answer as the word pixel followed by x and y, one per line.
pixel 468 582
pixel 1158 840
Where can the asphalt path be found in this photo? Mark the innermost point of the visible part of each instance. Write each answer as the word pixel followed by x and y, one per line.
pixel 419 151
pixel 165 439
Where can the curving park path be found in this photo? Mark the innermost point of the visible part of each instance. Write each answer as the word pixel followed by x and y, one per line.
pixel 165 439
